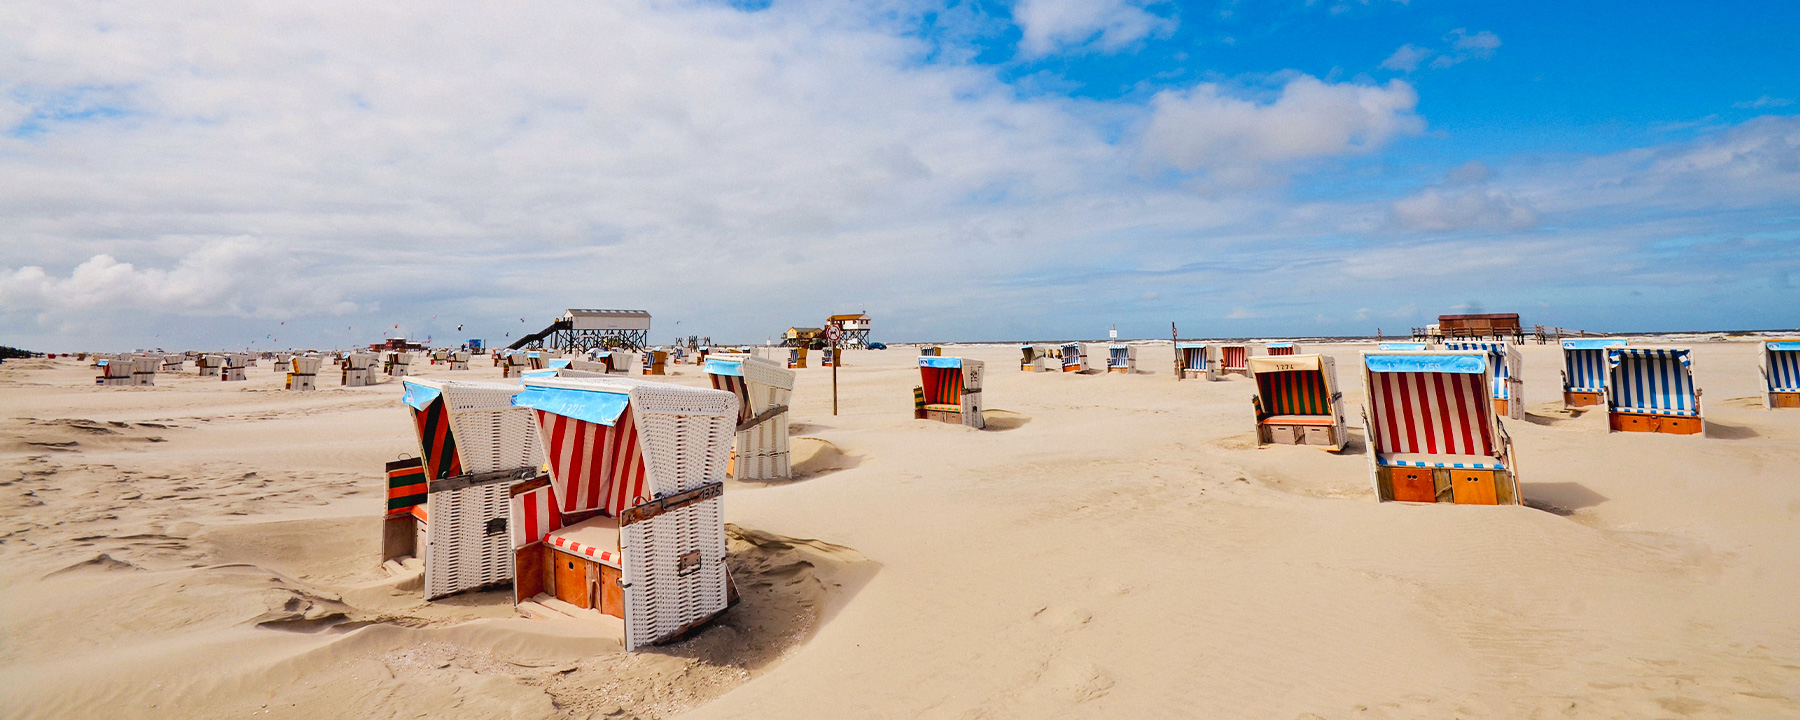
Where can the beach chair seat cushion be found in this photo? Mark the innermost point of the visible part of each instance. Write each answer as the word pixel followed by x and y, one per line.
pixel 1299 420
pixel 418 512
pixel 943 407
pixel 595 538
pixel 1421 460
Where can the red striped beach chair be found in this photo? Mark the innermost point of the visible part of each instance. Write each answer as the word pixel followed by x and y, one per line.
pixel 631 523
pixel 1121 359
pixel 950 391
pixel 1297 401
pixel 1652 390
pixel 1235 359
pixel 1277 349
pixel 1197 361
pixel 1509 386
pixel 1431 429
pixel 1585 372
pixel 474 445
pixel 764 389
pixel 1074 358
pixel 1781 373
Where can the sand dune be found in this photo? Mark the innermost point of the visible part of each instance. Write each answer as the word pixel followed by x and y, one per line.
pixel 1113 546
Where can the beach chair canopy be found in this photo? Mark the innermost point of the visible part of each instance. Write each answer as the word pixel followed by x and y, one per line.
pixel 1783 365
pixel 1403 346
pixel 1584 364
pixel 1290 386
pixel 1280 348
pixel 758 383
pixel 615 443
pixel 1497 352
pixel 1654 381
pixel 1431 409
pixel 469 427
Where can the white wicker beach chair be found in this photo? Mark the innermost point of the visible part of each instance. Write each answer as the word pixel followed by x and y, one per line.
pixel 174 363
pixel 114 372
pixel 645 462
pixel 474 445
pixel 1278 349
pixel 458 360
pixel 1235 358
pixel 1585 371
pixel 1197 361
pixel 358 370
pixel 303 372
pixel 1121 359
pixel 235 369
pixel 211 365
pixel 1781 373
pixel 1652 390
pixel 1034 358
pixel 1432 434
pixel 1297 401
pixel 1074 358
pixel 763 388
pixel 950 391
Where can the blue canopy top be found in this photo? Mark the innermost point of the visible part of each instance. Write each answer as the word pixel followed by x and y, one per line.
pixel 1593 344
pixel 1463 363
pixel 1783 344
pixel 419 396
pixel 560 363
pixel 733 368
pixel 940 362
pixel 546 372
pixel 1190 346
pixel 1616 355
pixel 595 406
pixel 1280 345
pixel 1403 346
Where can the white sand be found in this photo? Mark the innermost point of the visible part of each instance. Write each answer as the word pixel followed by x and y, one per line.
pixel 1122 549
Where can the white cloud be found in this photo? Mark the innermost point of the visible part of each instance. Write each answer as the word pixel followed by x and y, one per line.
pixel 1763 102
pixel 1407 58
pixel 1204 127
pixel 1240 313
pixel 1109 25
pixel 1489 209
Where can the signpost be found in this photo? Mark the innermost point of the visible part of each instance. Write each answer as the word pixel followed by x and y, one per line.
pixel 833 334
pixel 1175 339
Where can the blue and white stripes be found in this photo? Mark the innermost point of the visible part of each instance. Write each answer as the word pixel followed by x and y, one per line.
pixel 1585 369
pixel 1784 368
pixel 1657 381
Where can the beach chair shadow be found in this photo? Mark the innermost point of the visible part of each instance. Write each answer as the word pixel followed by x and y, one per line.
pixel 1715 429
pixel 1560 498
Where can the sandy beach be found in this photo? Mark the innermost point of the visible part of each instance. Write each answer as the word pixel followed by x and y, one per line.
pixel 1111 546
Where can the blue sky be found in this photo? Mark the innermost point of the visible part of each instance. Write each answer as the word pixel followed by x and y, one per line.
pixel 316 175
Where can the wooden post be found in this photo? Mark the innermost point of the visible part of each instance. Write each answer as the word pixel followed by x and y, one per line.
pixel 1175 340
pixel 837 358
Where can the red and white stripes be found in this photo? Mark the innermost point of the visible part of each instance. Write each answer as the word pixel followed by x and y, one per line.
pixel 534 516
pixel 594 467
pixel 610 557
pixel 1431 413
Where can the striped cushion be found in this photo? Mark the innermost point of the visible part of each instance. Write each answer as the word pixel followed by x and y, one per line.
pixel 1430 413
pixel 1654 381
pixel 1193 359
pixel 1299 420
pixel 943 386
pixel 944 408
pixel 1233 356
pixel 437 443
pixel 1584 370
pixel 407 485
pixel 1784 370
pixel 606 556
pixel 1465 462
pixel 534 516
pixel 735 385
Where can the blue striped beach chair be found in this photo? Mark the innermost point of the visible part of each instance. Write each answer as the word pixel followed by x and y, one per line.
pixel 1432 434
pixel 1508 387
pixel 1121 359
pixel 1074 358
pixel 1781 373
pixel 1585 371
pixel 1197 361
pixel 1652 390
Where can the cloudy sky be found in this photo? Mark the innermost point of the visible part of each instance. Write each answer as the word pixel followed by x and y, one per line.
pixel 313 174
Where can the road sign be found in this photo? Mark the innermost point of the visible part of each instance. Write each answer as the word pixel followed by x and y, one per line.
pixel 834 333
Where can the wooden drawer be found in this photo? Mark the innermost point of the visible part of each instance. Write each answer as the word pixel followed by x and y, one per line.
pixel 1412 484
pixel 1627 422
pixel 1582 399
pixel 1282 434
pixel 1786 400
pixel 1320 435
pixel 1681 425
pixel 1473 487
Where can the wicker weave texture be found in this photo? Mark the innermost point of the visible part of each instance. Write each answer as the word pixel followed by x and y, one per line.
pixel 464 549
pixel 660 600
pixel 491 433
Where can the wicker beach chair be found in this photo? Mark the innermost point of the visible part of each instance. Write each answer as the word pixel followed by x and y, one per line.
pixel 1033 358
pixel 114 372
pixel 474 445
pixel 458 360
pixel 950 391
pixel 1652 390
pixel 1074 358
pixel 1585 372
pixel 303 373
pixel 1297 401
pixel 235 368
pixel 1781 373
pixel 1197 361
pixel 763 388
pixel 210 365
pixel 1277 349
pixel 1121 359
pixel 1432 435
pixel 358 370
pixel 1509 385
pixel 796 357
pixel 1235 359
pixel 631 522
